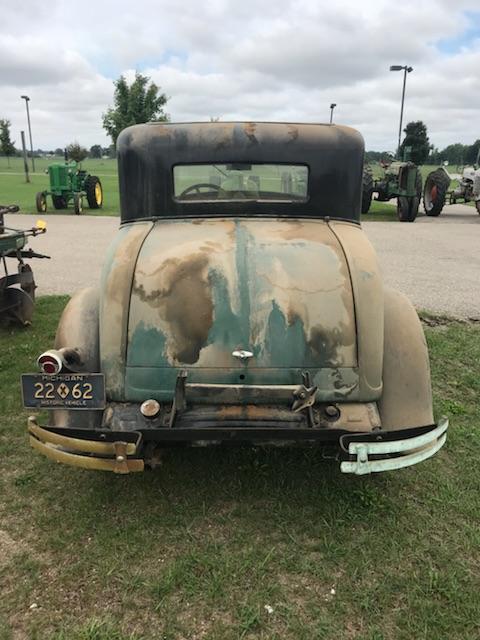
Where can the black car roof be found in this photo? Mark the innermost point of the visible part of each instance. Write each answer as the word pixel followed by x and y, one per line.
pixel 148 152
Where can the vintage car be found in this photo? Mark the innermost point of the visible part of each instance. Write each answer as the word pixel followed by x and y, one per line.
pixel 240 302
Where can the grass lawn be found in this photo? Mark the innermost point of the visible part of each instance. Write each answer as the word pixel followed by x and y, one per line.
pixel 242 543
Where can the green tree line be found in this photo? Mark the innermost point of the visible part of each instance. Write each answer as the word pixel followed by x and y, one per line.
pixel 422 152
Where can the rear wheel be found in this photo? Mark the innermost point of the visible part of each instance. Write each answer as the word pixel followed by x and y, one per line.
pixel 415 201
pixel 435 192
pixel 18 306
pixel 407 207
pixel 41 202
pixel 77 203
pixel 367 189
pixel 403 208
pixel 477 205
pixel 94 190
pixel 59 202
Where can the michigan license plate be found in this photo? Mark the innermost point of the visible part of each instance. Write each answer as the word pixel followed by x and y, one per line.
pixel 64 391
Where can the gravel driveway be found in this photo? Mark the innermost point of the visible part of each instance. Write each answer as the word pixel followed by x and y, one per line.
pixel 435 261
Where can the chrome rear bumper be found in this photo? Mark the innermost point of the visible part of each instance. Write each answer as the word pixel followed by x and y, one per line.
pixel 123 451
pixel 388 453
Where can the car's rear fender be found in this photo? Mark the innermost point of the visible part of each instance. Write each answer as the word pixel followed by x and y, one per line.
pixel 406 400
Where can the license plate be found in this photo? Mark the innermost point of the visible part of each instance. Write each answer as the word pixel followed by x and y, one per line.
pixel 64 391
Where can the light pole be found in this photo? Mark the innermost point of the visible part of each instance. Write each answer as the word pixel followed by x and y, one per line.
pixel 27 100
pixel 332 107
pixel 406 69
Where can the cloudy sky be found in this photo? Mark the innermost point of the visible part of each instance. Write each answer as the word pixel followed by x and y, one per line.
pixel 284 60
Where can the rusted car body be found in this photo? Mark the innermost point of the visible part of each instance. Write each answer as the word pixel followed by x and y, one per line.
pixel 240 301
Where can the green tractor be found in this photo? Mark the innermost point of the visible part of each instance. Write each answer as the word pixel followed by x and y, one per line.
pixel 401 180
pixel 69 183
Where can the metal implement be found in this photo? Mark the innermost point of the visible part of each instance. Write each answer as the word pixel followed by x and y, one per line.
pixel 17 290
pixel 380 453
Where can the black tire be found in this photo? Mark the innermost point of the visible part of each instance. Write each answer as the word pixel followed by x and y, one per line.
pixel 367 189
pixel 41 202
pixel 415 201
pixel 477 205
pixel 435 192
pixel 93 188
pixel 407 207
pixel 403 208
pixel 77 203
pixel 59 202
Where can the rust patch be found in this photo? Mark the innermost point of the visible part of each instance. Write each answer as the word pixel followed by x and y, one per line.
pixel 184 301
pixel 327 344
pixel 249 129
pixel 251 412
pixel 292 131
pixel 209 247
pixel 306 231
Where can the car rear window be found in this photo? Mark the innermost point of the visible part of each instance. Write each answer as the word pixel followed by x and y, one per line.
pixel 240 181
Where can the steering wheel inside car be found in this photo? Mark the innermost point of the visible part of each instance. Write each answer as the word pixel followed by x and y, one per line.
pixel 195 188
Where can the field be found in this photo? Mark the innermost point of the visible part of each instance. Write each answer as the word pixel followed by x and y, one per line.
pixel 14 190
pixel 227 544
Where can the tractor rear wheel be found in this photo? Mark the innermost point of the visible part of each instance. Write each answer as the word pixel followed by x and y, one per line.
pixel 59 202
pixel 94 190
pixel 407 207
pixel 477 205
pixel 435 192
pixel 41 202
pixel 77 203
pixel 403 209
pixel 367 189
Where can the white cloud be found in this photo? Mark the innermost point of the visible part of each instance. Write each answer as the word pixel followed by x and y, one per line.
pixel 283 60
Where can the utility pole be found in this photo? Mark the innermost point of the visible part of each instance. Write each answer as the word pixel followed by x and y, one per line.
pixel 25 161
pixel 332 107
pixel 27 100
pixel 406 69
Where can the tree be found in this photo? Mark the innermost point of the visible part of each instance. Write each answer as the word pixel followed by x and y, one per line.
pixel 6 145
pixel 95 151
pixel 58 151
pixel 134 104
pixel 472 153
pixel 416 137
pixel 454 153
pixel 76 152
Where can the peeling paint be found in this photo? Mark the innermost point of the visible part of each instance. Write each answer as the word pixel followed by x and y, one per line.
pixel 226 284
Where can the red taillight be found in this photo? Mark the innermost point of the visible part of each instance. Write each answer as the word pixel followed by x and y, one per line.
pixel 50 363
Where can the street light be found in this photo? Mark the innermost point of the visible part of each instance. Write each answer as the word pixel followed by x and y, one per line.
pixel 332 107
pixel 27 100
pixel 406 69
